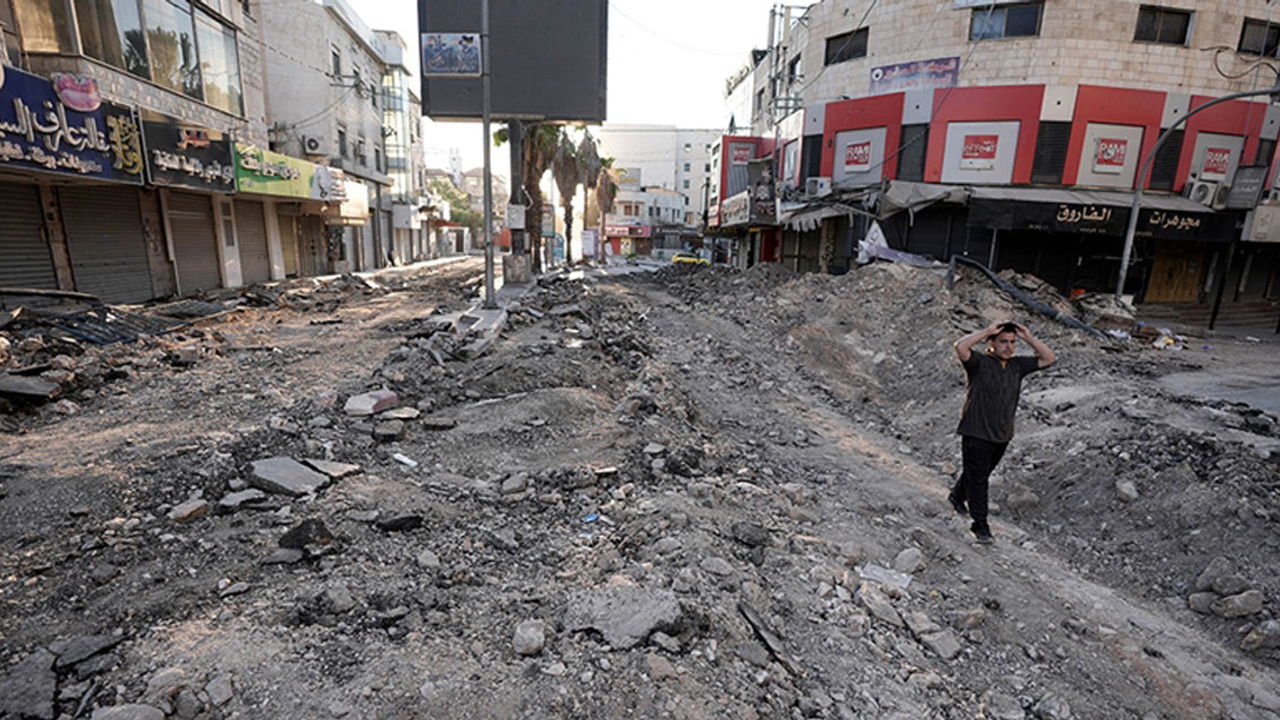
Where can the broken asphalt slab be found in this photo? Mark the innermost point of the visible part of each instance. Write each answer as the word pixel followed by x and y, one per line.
pixel 285 476
pixel 623 616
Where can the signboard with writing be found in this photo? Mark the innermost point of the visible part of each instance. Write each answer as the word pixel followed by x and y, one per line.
pixel 182 154
pixel 263 172
pixel 1110 156
pixel 736 210
pixel 1216 162
pixel 1100 220
pixel 979 152
pixel 915 75
pixel 628 230
pixel 1246 188
pixel 857 157
pixel 764 194
pixel 64 126
pixel 741 153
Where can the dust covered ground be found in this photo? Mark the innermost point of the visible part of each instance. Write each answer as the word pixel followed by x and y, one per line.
pixel 692 494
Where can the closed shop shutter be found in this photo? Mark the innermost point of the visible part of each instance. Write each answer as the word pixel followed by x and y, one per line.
pixel 25 260
pixel 288 245
pixel 195 244
pixel 106 242
pixel 251 231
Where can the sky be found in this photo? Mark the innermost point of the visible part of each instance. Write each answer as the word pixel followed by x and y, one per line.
pixel 668 60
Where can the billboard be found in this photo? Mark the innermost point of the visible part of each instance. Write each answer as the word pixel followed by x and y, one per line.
pixel 451 55
pixel 915 75
pixel 184 154
pixel 547 59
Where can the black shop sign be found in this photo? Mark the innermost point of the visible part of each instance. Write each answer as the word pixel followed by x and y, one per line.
pixel 183 154
pixel 1100 220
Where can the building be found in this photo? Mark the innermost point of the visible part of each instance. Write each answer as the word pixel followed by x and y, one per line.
pixel 1012 133
pixel 119 172
pixel 648 221
pixel 473 186
pixel 664 156
pixel 405 165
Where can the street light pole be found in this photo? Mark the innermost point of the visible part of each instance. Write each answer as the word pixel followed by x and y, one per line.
pixel 490 301
pixel 1146 168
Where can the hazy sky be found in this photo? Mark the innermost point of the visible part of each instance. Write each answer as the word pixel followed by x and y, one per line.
pixel 668 60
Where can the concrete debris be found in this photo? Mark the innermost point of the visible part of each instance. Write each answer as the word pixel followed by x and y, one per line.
pixel 285 476
pixel 370 403
pixel 623 616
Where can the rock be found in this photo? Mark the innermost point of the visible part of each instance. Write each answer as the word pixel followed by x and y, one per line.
pixel 128 712
pixel 233 501
pixel 65 407
pixel 76 649
pixel 334 470
pixel 189 510
pixel 716 566
pixel 27 689
pixel 1021 499
pixel 943 644
pixel 165 684
pixel 1202 602
pixel 570 309
pixel 1217 567
pixel 1243 605
pixel 439 423
pixel 184 356
pixel 307 532
pixel 401 413
pixel 1003 707
pixel 920 624
pixel 187 705
pixel 370 403
pixel 625 616
pixel 660 668
pixel 338 600
pixel 1263 637
pixel 400 523
pixel 236 588
pixel 909 561
pixel 666 546
pixel 103 573
pixel 1230 585
pixel 389 430
pixel 96 665
pixel 750 534
pixel 428 560
pixel 27 389
pixel 517 483
pixel 285 476
pixel 655 449
pixel 665 641
pixel 220 690
pixel 530 638
pixel 1052 707
pixel 879 605
pixel 284 556
pixel 1126 491
pixel 971 619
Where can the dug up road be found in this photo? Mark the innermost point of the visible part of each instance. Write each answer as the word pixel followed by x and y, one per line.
pixel 694 493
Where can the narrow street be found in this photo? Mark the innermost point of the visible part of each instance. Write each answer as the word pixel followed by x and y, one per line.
pixel 657 495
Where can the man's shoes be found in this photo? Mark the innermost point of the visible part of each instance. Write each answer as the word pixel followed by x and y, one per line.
pixel 984 537
pixel 957 504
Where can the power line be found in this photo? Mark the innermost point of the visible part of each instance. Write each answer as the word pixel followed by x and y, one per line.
pixel 666 39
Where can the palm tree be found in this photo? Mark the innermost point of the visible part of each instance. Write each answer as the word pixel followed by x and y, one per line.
pixel 567 172
pixel 590 167
pixel 539 149
pixel 606 191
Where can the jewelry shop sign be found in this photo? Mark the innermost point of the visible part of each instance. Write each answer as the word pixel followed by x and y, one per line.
pixel 183 154
pixel 62 125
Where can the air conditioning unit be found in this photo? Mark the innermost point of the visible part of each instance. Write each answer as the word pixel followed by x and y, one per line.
pixel 1220 196
pixel 816 187
pixel 1202 191
pixel 1271 197
pixel 311 145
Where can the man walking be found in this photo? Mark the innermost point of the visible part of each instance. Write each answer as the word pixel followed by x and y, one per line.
pixel 986 426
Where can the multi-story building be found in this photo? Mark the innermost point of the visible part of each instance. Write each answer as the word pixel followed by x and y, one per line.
pixel 647 220
pixel 473 186
pixel 402 128
pixel 1013 133
pixel 667 157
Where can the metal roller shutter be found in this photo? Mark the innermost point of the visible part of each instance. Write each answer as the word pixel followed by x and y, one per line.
pixel 106 242
pixel 195 246
pixel 251 231
pixel 25 260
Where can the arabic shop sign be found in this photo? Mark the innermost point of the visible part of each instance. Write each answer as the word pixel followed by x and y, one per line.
pixel 915 75
pixel 1111 155
pixel 764 196
pixel 182 154
pixel 979 152
pixel 736 209
pixel 64 126
pixel 263 172
pixel 1099 220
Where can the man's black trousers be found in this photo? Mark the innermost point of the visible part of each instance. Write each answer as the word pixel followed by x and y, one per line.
pixel 980 458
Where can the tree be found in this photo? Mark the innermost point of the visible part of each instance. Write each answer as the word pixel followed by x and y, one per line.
pixel 567 173
pixel 459 204
pixel 539 150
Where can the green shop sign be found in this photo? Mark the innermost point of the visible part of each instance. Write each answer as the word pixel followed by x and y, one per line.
pixel 263 172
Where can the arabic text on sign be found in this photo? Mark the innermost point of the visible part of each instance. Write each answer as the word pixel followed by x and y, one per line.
pixel 1173 221
pixel 1072 215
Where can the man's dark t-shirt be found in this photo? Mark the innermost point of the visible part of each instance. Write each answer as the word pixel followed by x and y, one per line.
pixel 993 395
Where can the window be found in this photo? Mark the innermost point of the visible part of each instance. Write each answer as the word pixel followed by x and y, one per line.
pixel 46 26
pixel 686 184
pixel 688 147
pixel 759 102
pixel 1162 25
pixel 686 167
pixel 1164 169
pixel 342 142
pixel 171 34
pixel 377 159
pixel 993 23
pixel 219 64
pixel 335 61
pixel 1259 38
pixel 1266 150
pixel 111 31
pixel 793 70
pixel 1051 152
pixel 847 46
pixel 361 155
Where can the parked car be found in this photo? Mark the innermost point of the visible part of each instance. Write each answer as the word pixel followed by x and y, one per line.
pixel 691 258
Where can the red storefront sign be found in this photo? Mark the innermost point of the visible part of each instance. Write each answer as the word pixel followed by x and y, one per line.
pixel 1111 155
pixel 857 157
pixel 979 152
pixel 741 153
pixel 1216 161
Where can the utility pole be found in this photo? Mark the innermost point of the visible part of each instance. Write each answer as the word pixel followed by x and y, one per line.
pixel 490 301
pixel 515 135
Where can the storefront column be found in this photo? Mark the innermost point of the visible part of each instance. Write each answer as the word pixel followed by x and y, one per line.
pixel 275 250
pixel 57 233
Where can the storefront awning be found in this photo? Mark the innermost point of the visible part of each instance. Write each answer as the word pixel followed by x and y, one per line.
pixel 1096 212
pixel 806 217
pixel 912 196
